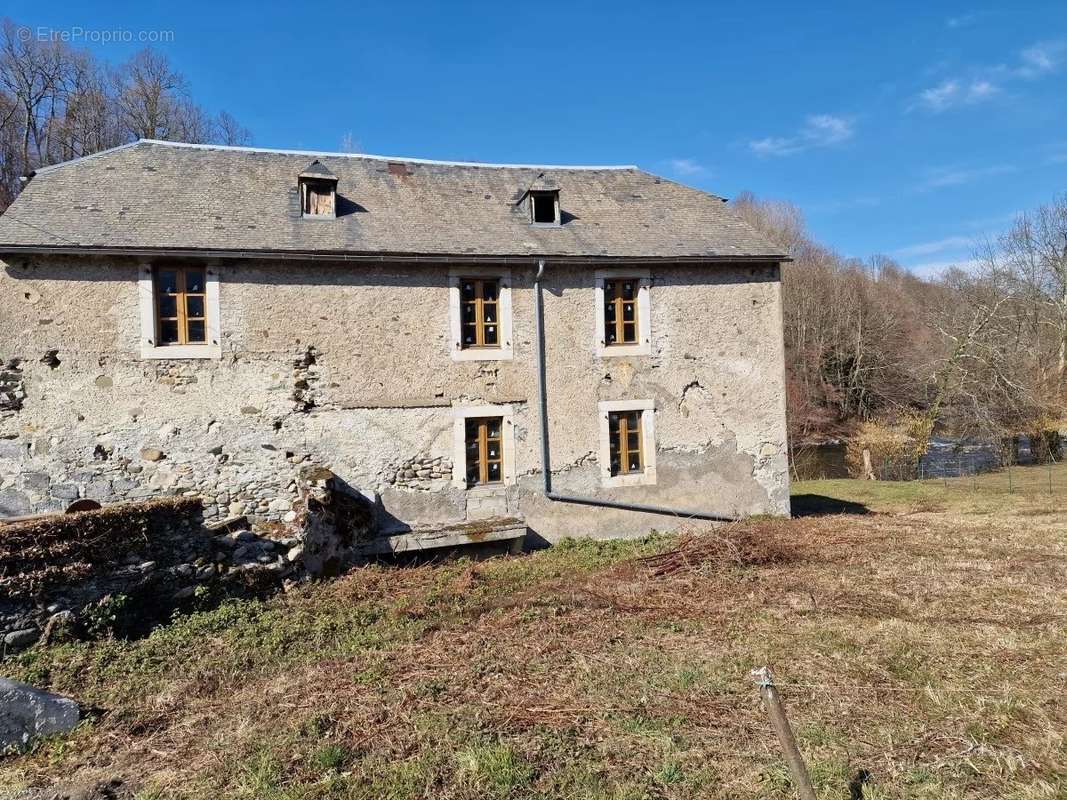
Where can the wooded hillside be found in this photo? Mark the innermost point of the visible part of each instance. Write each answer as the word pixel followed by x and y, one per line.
pixel 976 351
pixel 58 103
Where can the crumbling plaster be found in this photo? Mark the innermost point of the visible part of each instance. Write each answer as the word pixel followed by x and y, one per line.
pixel 372 397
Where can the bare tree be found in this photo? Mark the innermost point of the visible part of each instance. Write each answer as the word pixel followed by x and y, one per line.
pixel 1032 259
pixel 231 132
pixel 58 103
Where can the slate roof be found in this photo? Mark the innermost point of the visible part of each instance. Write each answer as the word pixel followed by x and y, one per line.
pixel 153 195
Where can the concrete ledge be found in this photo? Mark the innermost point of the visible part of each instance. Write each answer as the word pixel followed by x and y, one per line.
pixel 494 529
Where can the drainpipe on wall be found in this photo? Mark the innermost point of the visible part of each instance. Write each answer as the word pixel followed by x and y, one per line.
pixel 546 464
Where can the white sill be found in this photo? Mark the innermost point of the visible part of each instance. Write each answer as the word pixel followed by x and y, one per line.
pixel 645 478
pixel 545 225
pixel 182 351
pixel 482 354
pixel 613 350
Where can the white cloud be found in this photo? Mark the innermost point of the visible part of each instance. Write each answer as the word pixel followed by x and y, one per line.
pixel 819 130
pixel 942 177
pixel 955 92
pixel 963 20
pixel 931 268
pixel 938 246
pixel 687 167
pixel 981 83
pixel 1041 58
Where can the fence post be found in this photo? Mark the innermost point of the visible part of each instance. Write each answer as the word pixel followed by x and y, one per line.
pixel 765 681
pixel 1049 467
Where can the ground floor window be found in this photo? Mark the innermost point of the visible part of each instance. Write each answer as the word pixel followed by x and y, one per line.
pixel 624 442
pixel 627 442
pixel 483 446
pixel 485 450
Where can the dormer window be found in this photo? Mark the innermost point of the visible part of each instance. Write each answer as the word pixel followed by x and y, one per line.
pixel 544 207
pixel 318 192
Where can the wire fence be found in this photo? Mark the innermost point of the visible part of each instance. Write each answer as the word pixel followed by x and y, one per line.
pixel 1029 464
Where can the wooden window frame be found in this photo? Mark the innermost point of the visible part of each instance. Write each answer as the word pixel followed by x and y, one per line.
pixel 614 299
pixel 181 296
pixel 646 475
pixel 461 414
pixel 150 348
pixel 479 303
pixel 626 422
pixel 484 441
pixel 642 312
pixel 503 350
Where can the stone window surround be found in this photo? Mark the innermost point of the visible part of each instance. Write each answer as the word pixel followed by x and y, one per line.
pixel 147 302
pixel 505 352
pixel 647 477
pixel 460 415
pixel 643 346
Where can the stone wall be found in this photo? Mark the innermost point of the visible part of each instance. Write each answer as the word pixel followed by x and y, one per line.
pixel 123 568
pixel 348 367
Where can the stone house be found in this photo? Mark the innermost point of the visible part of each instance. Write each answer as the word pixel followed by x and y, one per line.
pixel 211 320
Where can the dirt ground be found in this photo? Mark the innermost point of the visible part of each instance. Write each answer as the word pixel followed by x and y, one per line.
pixel 918 640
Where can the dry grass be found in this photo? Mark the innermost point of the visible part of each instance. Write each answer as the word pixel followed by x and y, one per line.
pixel 924 645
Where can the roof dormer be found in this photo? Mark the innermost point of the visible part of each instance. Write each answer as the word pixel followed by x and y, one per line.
pixel 318 192
pixel 542 197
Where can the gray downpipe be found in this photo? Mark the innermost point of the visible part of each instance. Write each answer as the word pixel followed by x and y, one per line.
pixel 546 463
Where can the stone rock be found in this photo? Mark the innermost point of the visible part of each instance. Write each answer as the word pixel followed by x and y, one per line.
pixel 65 491
pixel 146 566
pixel 216 450
pixel 27 712
pixel 151 453
pixel 184 593
pixel 104 382
pixel 295 553
pixel 36 481
pixel 185 570
pixel 245 536
pixel 23 638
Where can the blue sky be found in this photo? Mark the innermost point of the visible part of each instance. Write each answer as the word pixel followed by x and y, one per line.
pixel 898 129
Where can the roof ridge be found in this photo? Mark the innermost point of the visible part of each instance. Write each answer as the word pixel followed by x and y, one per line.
pixel 405 159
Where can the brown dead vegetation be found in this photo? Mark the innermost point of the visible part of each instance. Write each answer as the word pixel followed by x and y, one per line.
pixel 924 649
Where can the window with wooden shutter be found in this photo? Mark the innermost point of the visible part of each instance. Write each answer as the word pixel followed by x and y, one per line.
pixel 181 306
pixel 479 312
pixel 485 450
pixel 624 431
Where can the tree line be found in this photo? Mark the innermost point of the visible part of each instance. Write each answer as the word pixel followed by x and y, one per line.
pixel 58 102
pixel 980 350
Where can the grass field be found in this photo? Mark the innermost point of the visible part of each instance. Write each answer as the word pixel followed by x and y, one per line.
pixel 923 641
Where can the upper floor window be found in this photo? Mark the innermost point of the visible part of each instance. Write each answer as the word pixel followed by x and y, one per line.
pixel 480 301
pixel 181 306
pixel 479 313
pixel 179 310
pixel 623 312
pixel 620 311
